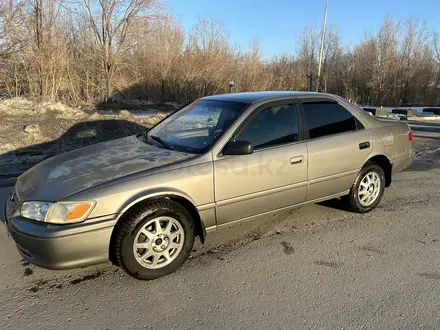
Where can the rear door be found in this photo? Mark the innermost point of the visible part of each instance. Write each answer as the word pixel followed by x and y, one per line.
pixel 338 145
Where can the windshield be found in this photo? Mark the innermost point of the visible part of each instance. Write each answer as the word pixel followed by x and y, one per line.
pixel 195 127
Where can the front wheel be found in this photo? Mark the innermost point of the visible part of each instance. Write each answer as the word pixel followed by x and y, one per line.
pixel 154 240
pixel 367 189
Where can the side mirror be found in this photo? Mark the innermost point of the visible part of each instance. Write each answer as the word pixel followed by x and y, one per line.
pixel 238 147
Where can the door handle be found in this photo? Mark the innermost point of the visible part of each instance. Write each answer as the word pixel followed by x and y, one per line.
pixel 296 160
pixel 364 145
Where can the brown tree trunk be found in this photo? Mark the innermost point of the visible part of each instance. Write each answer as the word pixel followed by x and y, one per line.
pixel 108 83
pixel 39 42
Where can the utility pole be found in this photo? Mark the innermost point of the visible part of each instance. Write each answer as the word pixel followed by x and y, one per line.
pixel 318 81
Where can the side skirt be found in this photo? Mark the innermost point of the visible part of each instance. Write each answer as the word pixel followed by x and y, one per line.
pixel 214 228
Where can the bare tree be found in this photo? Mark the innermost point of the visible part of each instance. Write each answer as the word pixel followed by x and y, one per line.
pixel 167 47
pixel 252 73
pixel 307 53
pixel 110 21
pixel 11 24
pixel 44 44
pixel 93 50
pixel 333 52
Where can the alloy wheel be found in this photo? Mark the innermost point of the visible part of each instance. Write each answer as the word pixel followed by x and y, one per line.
pixel 369 188
pixel 158 242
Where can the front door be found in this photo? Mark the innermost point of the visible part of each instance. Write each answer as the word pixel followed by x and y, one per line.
pixel 273 176
pixel 338 146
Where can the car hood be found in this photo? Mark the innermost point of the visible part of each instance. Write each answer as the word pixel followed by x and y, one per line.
pixel 71 172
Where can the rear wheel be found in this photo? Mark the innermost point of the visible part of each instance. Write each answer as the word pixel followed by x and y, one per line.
pixel 367 189
pixel 154 240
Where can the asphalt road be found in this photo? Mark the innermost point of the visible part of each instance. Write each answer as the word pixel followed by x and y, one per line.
pixel 317 267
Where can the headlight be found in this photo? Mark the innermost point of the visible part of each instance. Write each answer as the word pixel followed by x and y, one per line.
pixel 57 213
pixel 35 210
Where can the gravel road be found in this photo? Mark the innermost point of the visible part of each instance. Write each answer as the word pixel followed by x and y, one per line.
pixel 316 267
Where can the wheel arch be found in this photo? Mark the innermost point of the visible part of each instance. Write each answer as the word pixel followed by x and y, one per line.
pixel 386 164
pixel 175 197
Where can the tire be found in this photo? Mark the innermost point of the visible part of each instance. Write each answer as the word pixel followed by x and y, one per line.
pixel 355 201
pixel 164 234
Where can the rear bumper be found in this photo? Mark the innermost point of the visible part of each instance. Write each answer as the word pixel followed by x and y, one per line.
pixel 62 247
pixel 401 163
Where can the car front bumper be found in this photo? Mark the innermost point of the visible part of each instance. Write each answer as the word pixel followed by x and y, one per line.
pixel 62 247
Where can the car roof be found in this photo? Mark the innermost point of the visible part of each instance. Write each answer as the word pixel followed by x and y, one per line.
pixel 252 97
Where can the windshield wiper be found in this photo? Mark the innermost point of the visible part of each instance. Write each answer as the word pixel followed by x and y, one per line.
pixel 161 141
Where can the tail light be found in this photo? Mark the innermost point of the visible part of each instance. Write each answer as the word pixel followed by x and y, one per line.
pixel 410 136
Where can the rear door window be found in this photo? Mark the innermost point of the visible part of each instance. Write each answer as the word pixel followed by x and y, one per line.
pixel 328 118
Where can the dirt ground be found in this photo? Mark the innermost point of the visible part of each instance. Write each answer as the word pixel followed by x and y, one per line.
pixel 31 132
